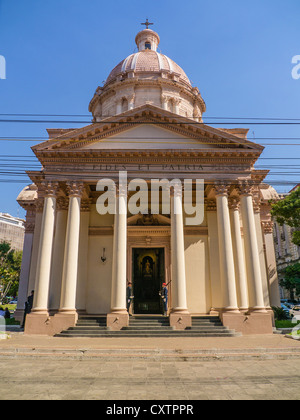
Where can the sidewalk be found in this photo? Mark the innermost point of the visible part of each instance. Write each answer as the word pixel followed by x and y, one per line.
pixel 189 348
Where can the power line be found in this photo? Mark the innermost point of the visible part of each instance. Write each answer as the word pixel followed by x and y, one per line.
pixel 148 122
pixel 203 116
pixel 140 138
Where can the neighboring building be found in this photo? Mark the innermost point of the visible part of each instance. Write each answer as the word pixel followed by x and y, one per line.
pixel 285 250
pixel 146 123
pixel 12 230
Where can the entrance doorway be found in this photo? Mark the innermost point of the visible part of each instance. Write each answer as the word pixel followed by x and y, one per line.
pixel 148 275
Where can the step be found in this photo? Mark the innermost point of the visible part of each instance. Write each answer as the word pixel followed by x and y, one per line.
pixel 144 331
pixel 146 335
pixel 148 328
pixel 88 328
pixel 150 324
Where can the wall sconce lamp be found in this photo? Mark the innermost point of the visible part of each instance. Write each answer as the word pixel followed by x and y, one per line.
pixel 103 257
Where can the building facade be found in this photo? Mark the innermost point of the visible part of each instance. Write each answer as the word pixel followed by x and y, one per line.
pixel 286 252
pixel 147 126
pixel 12 230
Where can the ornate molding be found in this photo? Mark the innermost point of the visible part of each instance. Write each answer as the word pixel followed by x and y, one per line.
pixel 101 231
pixel 211 205
pixel 62 204
pixel 85 205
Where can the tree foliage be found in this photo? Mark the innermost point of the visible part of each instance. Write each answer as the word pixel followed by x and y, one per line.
pixel 287 211
pixel 10 268
pixel 291 279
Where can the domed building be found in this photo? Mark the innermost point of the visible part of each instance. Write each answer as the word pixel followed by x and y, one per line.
pixel 147 195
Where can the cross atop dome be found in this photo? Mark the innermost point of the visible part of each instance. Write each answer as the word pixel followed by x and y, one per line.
pixel 147 39
pixel 147 23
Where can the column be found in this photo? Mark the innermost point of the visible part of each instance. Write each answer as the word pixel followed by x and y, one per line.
pixel 177 102
pixel 251 248
pixel 164 101
pixel 179 317
pixel 83 255
pixel 70 267
pixel 238 250
pixel 119 106
pixel 58 252
pixel 39 207
pixel 131 99
pixel 259 235
pixel 26 260
pixel 225 249
pixel 274 295
pixel 214 259
pixel 286 230
pixel 118 316
pixel 40 304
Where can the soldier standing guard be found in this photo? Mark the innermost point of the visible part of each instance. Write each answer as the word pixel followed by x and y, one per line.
pixel 129 296
pixel 164 296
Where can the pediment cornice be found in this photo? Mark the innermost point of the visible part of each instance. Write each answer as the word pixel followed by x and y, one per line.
pixel 77 139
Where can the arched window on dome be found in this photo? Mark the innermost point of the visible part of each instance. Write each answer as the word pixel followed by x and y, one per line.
pixel 170 105
pixel 124 105
pixel 147 45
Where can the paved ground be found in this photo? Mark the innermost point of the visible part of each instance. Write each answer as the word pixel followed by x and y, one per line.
pixel 144 380
pixel 252 367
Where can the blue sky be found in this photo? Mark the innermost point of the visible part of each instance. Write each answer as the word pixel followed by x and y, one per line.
pixel 238 53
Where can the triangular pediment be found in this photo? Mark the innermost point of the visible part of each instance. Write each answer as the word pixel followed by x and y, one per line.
pixel 147 136
pixel 146 128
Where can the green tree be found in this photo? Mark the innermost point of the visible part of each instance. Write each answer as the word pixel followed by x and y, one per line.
pixel 287 211
pixel 10 268
pixel 291 280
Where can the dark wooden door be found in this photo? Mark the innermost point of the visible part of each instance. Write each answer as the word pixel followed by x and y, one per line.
pixel 148 276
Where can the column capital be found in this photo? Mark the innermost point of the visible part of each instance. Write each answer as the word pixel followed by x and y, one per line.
pixel 164 98
pixel 75 188
pixel 177 101
pixel 49 188
pixel 267 226
pixel 221 188
pixel 245 188
pixel 29 226
pixel 176 190
pixel 234 203
pixel 256 199
pixel 39 205
pixel 130 98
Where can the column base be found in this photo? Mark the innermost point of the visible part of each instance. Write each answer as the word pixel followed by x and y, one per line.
pixel 38 323
pixel 19 315
pixel 117 320
pixel 180 320
pixel 250 322
pixel 64 320
pixel 42 323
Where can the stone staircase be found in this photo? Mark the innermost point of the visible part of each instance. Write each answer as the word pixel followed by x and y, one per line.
pixel 148 326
